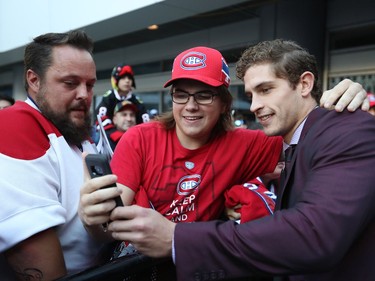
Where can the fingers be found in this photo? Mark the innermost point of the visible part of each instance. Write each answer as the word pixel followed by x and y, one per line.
pixel 232 214
pixel 145 228
pixel 346 94
pixel 366 104
pixel 94 209
pixel 96 203
pixel 353 97
pixel 96 214
pixel 357 102
pixel 131 223
pixel 92 185
pixel 330 97
pixel 129 213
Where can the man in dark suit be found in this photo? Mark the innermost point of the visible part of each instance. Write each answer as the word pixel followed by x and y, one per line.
pixel 324 226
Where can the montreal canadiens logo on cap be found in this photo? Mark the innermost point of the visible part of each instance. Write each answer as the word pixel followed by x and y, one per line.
pixel 193 60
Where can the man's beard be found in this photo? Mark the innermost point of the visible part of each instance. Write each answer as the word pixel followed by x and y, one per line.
pixel 73 134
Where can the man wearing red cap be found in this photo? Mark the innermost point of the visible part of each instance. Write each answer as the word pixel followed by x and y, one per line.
pixel 123 82
pixel 182 164
pixel 124 117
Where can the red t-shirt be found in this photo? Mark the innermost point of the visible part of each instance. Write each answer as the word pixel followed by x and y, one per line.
pixel 188 185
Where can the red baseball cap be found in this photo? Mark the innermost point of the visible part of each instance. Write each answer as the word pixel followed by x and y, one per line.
pixel 203 64
pixel 371 99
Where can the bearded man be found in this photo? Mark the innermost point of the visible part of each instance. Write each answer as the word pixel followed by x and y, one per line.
pixel 42 141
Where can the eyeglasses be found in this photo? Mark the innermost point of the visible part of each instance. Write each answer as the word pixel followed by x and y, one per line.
pixel 203 98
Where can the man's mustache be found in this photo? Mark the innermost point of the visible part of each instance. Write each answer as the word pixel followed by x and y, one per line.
pixel 81 105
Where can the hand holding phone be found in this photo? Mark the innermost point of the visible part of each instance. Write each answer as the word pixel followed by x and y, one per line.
pixel 98 166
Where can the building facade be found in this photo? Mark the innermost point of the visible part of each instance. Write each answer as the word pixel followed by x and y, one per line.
pixel 340 33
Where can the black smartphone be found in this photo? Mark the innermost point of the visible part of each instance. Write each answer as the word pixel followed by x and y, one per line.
pixel 98 166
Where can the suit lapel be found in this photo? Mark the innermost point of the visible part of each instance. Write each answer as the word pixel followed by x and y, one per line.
pixel 312 117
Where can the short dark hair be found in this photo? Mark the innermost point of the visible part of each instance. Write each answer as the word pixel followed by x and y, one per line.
pixel 7 98
pixel 289 61
pixel 38 53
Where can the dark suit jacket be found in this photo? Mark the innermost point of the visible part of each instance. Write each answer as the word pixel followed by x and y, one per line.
pixel 325 229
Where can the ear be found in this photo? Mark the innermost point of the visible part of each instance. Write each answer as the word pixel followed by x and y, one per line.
pixel 307 82
pixel 33 81
pixel 114 119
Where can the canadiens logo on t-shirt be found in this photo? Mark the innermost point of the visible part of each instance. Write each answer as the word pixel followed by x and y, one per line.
pixel 188 184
